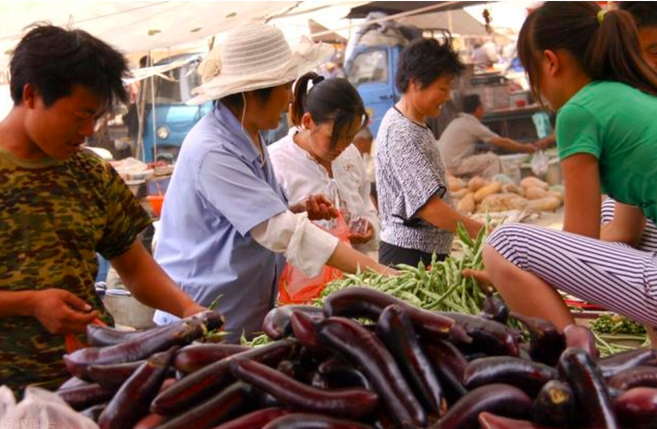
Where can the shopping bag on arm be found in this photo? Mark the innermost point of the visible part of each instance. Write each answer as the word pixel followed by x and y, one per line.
pixel 297 288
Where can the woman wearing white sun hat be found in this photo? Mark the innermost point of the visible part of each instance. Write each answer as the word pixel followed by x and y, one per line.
pixel 226 226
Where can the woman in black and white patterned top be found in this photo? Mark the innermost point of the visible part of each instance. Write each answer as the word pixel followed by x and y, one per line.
pixel 417 214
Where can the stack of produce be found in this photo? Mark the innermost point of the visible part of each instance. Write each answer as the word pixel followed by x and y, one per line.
pixel 441 286
pixel 363 360
pixel 502 194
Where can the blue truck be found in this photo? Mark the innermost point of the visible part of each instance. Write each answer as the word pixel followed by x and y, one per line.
pixel 167 119
pixel 372 71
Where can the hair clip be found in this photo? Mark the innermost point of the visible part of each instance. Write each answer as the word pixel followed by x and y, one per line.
pixel 601 16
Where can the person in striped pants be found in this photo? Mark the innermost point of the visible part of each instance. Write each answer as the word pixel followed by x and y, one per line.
pixel 586 64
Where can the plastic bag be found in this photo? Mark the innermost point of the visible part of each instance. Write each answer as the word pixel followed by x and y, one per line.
pixel 41 409
pixel 7 401
pixel 296 288
pixel 540 163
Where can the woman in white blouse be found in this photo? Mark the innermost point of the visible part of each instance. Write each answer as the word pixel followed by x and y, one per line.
pixel 317 156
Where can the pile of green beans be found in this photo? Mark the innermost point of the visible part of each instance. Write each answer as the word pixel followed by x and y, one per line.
pixel 438 287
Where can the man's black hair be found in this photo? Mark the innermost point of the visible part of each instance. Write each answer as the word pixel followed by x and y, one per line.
pixel 53 60
pixel 471 103
pixel 425 61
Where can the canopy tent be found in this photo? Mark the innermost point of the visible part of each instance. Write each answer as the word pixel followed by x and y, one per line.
pixel 456 21
pixel 395 7
pixel 142 26
pixel 326 35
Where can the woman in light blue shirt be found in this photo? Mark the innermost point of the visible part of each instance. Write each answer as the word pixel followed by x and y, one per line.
pixel 226 226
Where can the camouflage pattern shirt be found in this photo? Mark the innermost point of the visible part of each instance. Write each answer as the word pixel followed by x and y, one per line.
pixel 54 217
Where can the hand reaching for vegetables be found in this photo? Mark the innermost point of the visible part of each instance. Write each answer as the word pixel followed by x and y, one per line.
pixel 60 311
pixel 481 276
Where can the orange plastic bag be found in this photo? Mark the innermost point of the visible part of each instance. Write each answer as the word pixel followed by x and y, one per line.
pixel 74 343
pixel 296 288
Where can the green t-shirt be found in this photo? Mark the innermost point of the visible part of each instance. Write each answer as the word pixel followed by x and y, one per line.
pixel 617 124
pixel 54 217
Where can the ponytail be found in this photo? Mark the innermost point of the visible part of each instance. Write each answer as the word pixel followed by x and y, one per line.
pixel 615 53
pixel 606 45
pixel 300 94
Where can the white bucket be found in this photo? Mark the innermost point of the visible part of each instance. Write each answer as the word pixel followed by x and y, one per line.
pixel 127 311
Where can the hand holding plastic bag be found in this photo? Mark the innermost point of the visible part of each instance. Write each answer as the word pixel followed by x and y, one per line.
pixel 297 288
pixel 540 163
pixel 40 409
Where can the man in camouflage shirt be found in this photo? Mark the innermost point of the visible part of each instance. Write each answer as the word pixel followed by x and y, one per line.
pixel 60 205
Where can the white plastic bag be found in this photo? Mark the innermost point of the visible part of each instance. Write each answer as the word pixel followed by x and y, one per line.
pixel 42 409
pixel 540 163
pixel 7 401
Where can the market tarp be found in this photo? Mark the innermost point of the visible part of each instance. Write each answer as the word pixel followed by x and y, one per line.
pixel 456 21
pixel 142 26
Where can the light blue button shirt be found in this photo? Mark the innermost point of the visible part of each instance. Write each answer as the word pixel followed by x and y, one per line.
pixel 218 192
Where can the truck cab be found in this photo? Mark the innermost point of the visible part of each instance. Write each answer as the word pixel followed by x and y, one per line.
pixel 372 71
pixel 167 119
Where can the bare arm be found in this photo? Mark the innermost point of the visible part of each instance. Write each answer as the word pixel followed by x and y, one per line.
pixel 58 310
pixel 438 213
pixel 626 227
pixel 582 199
pixel 148 282
pixel 512 145
pixel 349 260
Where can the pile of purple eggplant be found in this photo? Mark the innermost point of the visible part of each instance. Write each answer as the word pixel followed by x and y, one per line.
pixel 364 360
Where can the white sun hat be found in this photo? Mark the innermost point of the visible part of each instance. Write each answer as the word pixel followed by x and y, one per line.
pixel 253 57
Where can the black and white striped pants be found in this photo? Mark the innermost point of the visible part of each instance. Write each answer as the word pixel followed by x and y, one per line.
pixel 613 275
pixel 648 240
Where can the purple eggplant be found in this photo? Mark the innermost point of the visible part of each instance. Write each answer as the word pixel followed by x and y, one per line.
pixel 494 308
pixel 312 421
pixel 101 336
pixel 256 419
pixel 640 376
pixel 618 362
pixel 637 408
pixel 112 376
pixel 304 328
pixel 177 334
pixel 526 375
pixel 220 407
pixel 449 364
pixel 488 336
pixel 133 399
pixel 554 406
pixel 85 396
pixel 546 343
pixel 363 302
pixel 396 331
pixel 594 409
pixel 277 322
pixel 195 356
pixel 499 399
pixel 349 339
pixel 348 403
pixel 210 379
pixel 491 421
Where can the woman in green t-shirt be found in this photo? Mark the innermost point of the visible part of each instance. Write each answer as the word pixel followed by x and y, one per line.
pixel 586 64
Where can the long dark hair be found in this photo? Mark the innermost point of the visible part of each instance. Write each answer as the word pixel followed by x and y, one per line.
pixel 606 47
pixel 328 100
